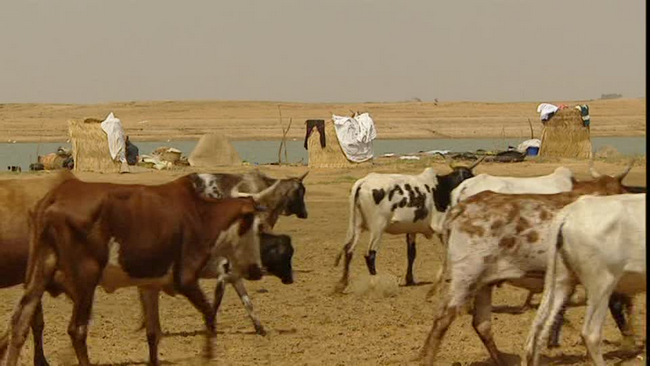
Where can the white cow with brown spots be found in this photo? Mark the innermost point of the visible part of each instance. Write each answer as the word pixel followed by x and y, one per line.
pixel 561 180
pixel 493 238
pixel 599 242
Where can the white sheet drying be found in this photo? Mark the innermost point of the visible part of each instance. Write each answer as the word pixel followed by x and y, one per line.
pixel 116 140
pixel 355 136
pixel 545 109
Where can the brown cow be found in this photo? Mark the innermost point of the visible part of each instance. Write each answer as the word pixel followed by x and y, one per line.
pixel 493 238
pixel 89 234
pixel 18 196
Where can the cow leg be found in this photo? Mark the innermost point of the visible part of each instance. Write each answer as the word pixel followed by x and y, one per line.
pixel 38 324
pixel 599 294
pixel 78 327
pixel 621 305
pixel 375 240
pixel 42 273
pixel 149 300
pixel 348 251
pixel 410 252
pixel 550 314
pixel 527 303
pixel 457 294
pixel 219 292
pixel 197 298
pixel 238 284
pixel 481 321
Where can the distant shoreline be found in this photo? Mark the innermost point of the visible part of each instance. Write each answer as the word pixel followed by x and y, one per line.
pixel 260 121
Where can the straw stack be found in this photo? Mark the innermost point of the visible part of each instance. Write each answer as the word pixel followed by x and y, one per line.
pixel 332 155
pixel 564 136
pixel 90 147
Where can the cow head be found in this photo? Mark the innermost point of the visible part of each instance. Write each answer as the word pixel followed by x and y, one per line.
pixel 608 184
pixel 295 198
pixel 276 252
pixel 460 173
pixel 447 183
pixel 243 241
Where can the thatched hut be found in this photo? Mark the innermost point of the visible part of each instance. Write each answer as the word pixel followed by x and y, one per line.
pixel 214 150
pixel 565 136
pixel 330 156
pixel 90 147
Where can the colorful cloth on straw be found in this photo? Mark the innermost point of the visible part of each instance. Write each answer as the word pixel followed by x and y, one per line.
pixel 584 113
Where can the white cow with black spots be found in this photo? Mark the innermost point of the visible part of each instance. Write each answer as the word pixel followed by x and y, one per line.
pixel 398 204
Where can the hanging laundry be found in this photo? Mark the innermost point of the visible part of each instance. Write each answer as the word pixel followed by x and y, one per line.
pixel 584 114
pixel 546 111
pixel 320 126
pixel 355 136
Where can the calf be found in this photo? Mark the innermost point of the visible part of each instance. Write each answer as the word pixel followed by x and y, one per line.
pixel 286 198
pixel 276 252
pixel 398 204
pixel 599 242
pixel 90 234
pixel 493 238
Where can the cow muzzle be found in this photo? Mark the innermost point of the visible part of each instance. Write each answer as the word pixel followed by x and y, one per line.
pixel 254 273
pixel 287 280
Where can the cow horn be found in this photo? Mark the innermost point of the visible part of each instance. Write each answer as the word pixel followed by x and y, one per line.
pixel 303 176
pixel 594 173
pixel 476 163
pixel 260 195
pixel 627 170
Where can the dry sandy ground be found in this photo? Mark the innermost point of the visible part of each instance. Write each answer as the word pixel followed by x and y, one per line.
pixel 260 120
pixel 307 323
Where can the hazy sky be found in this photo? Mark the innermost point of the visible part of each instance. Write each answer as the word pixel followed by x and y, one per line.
pixel 318 50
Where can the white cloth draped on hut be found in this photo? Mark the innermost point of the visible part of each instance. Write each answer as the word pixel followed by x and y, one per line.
pixel 355 136
pixel 116 139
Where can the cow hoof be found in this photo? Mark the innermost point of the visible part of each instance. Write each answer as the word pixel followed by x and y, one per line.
pixel 260 331
pixel 41 362
pixel 410 283
pixel 340 287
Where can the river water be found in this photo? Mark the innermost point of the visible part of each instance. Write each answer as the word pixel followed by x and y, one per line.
pixel 264 152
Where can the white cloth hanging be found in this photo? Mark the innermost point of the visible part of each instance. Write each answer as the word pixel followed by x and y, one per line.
pixel 116 139
pixel 355 136
pixel 545 109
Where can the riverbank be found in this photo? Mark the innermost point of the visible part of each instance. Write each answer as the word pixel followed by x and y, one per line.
pixel 244 120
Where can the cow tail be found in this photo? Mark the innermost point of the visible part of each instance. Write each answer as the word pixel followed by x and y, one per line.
pixel 352 225
pixel 541 326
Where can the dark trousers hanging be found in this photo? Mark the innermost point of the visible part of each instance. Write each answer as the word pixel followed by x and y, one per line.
pixel 320 126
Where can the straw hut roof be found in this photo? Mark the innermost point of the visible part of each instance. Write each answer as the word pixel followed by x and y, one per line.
pixel 565 136
pixel 214 150
pixel 90 147
pixel 330 156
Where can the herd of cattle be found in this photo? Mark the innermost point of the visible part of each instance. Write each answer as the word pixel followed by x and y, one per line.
pixel 59 234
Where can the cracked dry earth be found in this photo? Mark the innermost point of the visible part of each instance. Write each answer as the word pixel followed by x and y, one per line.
pixel 307 323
